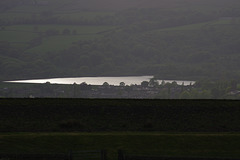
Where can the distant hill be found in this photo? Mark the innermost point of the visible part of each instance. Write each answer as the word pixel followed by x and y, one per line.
pixel 117 4
pixel 171 39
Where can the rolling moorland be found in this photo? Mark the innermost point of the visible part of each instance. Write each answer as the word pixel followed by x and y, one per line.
pixel 177 39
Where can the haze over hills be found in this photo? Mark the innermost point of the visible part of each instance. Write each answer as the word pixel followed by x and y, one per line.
pixel 171 39
pixel 117 4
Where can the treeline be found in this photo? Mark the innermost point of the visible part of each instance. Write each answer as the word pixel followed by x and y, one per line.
pixel 153 89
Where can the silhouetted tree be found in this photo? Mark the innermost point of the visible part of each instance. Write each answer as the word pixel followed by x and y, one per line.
pixel 105 84
pixel 122 84
pixel 144 83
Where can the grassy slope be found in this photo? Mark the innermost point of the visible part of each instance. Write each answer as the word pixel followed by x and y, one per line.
pixel 197 26
pixel 63 15
pixel 42 28
pixel 27 11
pixel 58 43
pixel 16 33
pixel 143 143
pixel 63 10
pixel 16 36
pixel 25 33
pixel 61 42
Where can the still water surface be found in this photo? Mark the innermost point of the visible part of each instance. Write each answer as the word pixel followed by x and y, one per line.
pixel 129 80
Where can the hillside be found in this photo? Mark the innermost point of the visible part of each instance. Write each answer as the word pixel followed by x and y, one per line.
pixel 177 39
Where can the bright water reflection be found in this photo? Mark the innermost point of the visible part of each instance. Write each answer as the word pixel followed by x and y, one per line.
pixel 129 80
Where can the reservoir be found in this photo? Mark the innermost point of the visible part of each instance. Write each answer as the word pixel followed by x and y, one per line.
pixel 128 80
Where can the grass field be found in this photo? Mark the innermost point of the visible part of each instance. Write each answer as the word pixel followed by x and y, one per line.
pixel 90 115
pixel 60 11
pixel 21 35
pixel 58 43
pixel 140 143
pixel 182 128
pixel 82 15
pixel 16 36
pixel 42 28
pixel 199 26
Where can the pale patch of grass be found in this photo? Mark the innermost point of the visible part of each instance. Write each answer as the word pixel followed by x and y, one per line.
pixel 58 43
pixel 15 36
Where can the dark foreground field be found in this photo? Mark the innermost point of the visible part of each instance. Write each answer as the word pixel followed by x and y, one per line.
pixel 182 128
pixel 138 143
pixel 91 115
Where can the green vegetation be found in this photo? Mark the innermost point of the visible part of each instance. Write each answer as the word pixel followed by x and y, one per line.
pixel 64 37
pixel 60 28
pixel 198 26
pixel 59 43
pixel 17 37
pixel 203 89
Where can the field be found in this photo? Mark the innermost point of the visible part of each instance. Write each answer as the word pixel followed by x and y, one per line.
pixel 25 26
pixel 138 143
pixel 182 128
pixel 199 26
pixel 21 36
pixel 44 115
pixel 22 31
pixel 42 28
pixel 27 34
